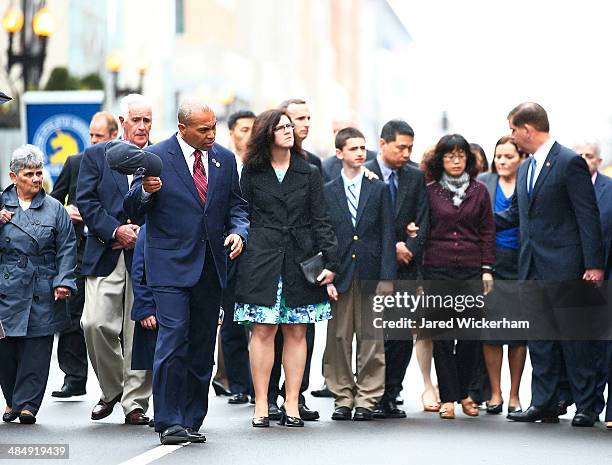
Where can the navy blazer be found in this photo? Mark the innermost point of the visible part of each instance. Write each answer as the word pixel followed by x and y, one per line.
pixel 179 226
pixel 333 165
pixel 368 248
pixel 99 198
pixel 559 223
pixel 412 205
pixel 603 193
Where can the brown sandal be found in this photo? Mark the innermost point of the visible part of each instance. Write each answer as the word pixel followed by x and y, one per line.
pixel 609 425
pixel 469 408
pixel 447 411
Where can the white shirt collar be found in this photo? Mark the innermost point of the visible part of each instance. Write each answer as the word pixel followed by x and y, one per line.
pixel 188 154
pixel 541 154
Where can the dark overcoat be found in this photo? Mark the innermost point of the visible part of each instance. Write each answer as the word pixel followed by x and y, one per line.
pixel 289 223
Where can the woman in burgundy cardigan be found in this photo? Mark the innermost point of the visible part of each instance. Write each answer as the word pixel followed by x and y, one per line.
pixel 460 246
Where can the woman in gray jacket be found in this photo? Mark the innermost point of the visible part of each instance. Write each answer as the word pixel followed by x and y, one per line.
pixel 37 262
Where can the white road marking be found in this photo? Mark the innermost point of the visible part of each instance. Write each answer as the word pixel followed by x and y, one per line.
pixel 152 455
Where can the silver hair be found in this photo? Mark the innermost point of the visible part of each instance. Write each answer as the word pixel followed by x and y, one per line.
pixel 187 107
pixel 127 101
pixel 594 142
pixel 26 157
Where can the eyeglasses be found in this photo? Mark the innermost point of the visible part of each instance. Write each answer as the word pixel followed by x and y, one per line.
pixel 460 155
pixel 284 127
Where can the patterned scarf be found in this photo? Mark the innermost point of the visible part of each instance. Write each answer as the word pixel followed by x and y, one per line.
pixel 456 185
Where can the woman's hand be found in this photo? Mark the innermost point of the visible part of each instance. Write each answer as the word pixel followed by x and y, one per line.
pixel 5 216
pixel 61 293
pixel 149 323
pixel 487 283
pixel 326 277
pixel 332 292
pixel 412 230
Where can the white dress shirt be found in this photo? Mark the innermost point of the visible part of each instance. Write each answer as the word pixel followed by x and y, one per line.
pixel 189 156
pixel 540 157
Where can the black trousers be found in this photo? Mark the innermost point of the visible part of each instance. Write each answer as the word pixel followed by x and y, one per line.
pixel 397 358
pixel 273 387
pixel 71 349
pixel 24 370
pixel 235 347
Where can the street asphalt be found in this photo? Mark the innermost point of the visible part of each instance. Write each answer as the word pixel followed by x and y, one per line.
pixel 420 438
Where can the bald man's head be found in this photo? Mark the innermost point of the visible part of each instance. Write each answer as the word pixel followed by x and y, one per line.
pixel 103 127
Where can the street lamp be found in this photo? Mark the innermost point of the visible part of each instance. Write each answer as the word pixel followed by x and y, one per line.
pixel 113 64
pixel 33 47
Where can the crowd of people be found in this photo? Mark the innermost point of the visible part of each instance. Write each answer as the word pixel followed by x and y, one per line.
pixel 136 272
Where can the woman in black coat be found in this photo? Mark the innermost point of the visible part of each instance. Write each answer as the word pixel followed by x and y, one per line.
pixel 289 224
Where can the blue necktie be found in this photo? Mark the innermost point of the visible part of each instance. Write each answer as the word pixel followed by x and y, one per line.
pixel 532 169
pixel 352 203
pixel 393 189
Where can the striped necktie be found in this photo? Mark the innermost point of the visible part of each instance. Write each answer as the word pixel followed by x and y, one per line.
pixel 199 176
pixel 532 169
pixel 351 198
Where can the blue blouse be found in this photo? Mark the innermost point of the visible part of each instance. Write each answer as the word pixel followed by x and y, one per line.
pixel 508 238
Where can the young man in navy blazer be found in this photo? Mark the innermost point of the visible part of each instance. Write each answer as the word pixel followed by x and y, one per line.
pixel 362 216
pixel 195 215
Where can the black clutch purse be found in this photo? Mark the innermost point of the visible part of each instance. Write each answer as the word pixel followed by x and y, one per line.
pixel 312 268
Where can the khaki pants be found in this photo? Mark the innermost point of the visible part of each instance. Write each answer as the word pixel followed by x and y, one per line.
pixel 369 385
pixel 106 315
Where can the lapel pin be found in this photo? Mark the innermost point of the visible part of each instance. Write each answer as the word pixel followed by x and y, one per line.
pixel 217 164
pixel 547 163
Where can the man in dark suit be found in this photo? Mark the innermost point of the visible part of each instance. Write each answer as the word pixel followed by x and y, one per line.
pixel 409 199
pixel 107 262
pixel 71 349
pixel 194 212
pixel 299 113
pixel 360 210
pixel 556 209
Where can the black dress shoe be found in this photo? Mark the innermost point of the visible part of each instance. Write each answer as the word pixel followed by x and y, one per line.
pixel 195 436
pixel 27 418
pixel 399 400
pixel 562 407
pixel 261 422
pixel 69 390
pixel 388 409
pixel 152 423
pixel 10 416
pixel 274 412
pixel 220 389
pixel 323 392
pixel 341 414
pixel 514 409
pixel 239 398
pixel 306 414
pixel 584 418
pixel 362 414
pixel 103 409
pixel 174 435
pixel 289 421
pixel 495 409
pixel 533 414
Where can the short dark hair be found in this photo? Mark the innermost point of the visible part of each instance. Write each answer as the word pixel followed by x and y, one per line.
pixel 445 145
pixel 285 104
pixel 530 113
pixel 234 117
pixel 346 134
pixel 394 127
pixel 474 147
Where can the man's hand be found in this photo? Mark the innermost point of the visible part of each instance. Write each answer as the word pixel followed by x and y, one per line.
pixel 384 288
pixel 332 292
pixel 370 174
pixel 149 323
pixel 402 253
pixel 74 213
pixel 412 230
pixel 151 184
pixel 61 293
pixel 596 275
pixel 5 216
pixel 125 236
pixel 326 277
pixel 487 283
pixel 237 245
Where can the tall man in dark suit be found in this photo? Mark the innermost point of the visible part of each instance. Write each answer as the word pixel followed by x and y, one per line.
pixel 71 349
pixel 556 209
pixel 107 262
pixel 410 205
pixel 299 113
pixel 360 210
pixel 194 213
